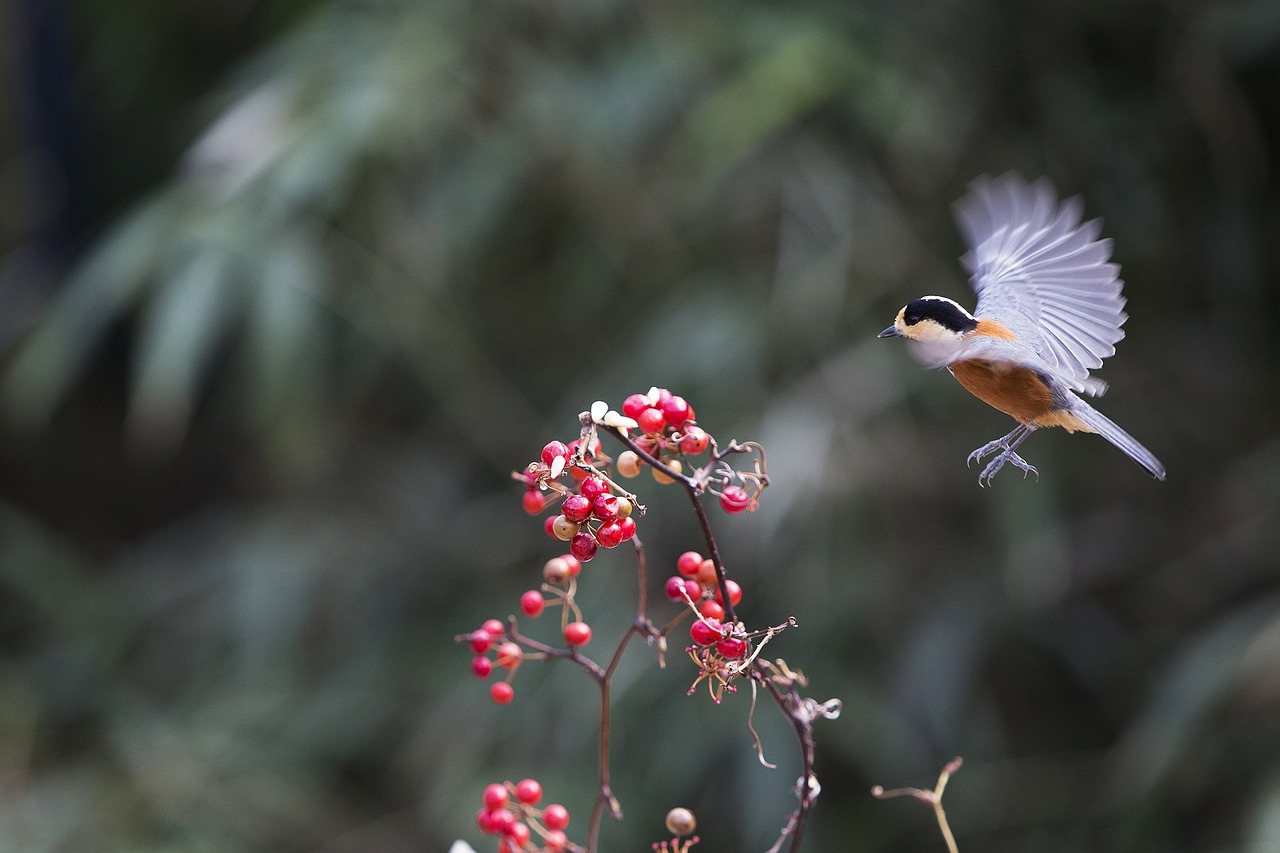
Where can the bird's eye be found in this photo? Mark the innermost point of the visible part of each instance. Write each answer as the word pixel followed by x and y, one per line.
pixel 911 319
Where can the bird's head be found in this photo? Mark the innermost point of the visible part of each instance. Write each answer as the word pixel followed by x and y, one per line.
pixel 931 320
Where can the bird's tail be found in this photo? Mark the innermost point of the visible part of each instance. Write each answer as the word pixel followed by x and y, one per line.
pixel 1109 430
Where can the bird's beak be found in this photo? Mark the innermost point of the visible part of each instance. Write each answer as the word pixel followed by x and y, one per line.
pixel 891 332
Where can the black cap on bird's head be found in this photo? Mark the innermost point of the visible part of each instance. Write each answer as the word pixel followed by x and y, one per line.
pixel 931 317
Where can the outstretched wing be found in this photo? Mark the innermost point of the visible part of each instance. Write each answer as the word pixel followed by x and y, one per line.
pixel 1042 273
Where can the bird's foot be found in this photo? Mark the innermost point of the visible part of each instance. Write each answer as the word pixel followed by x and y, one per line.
pixel 1009 456
pixel 987 449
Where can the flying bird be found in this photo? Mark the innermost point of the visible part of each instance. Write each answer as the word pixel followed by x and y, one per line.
pixel 1049 311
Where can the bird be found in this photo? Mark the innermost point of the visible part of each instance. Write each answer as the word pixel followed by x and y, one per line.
pixel 1049 310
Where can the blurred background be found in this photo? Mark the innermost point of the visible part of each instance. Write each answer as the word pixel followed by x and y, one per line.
pixel 288 288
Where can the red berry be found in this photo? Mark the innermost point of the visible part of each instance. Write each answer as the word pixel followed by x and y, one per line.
pixel 706 573
pixel 519 834
pixel 576 508
pixel 495 796
pixel 509 655
pixel 528 791
pixel 706 631
pixel 583 545
pixel 578 474
pixel 577 633
pixel 575 566
pixel 501 692
pixel 531 603
pixel 676 410
pixel 481 666
pixel 731 648
pixel 628 526
pixel 734 499
pixel 549 526
pixel 674 589
pixel 735 592
pixel 634 405
pixel 494 628
pixel 711 609
pixel 484 820
pixel 695 441
pixel 593 487
pixel 480 641
pixel 552 450
pixel 694 588
pixel 651 421
pixel 663 396
pixel 605 507
pixel 688 562
pixel 556 840
pixel 533 501
pixel 609 535
pixel 556 816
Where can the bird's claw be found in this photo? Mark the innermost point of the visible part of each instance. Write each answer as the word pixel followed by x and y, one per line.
pixel 986 450
pixel 989 472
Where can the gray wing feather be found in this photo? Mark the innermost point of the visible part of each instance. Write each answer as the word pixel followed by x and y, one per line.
pixel 1040 271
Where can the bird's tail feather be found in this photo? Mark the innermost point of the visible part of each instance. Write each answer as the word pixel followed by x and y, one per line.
pixel 1109 430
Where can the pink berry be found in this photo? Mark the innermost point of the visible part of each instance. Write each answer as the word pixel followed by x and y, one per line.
pixel 731 648
pixel 593 487
pixel 704 632
pixel 651 421
pixel 519 834
pixel 695 441
pixel 577 633
pixel 688 562
pixel 556 840
pixel 676 410
pixel 481 666
pixel 573 563
pixel 576 508
pixel 628 526
pixel 735 592
pixel 605 507
pixel 556 816
pixel 711 609
pixel 533 501
pixel 495 796
pixel 552 450
pixel 528 791
pixel 509 655
pixel 480 641
pixel 531 603
pixel 663 396
pixel 609 535
pixel 501 692
pixel 484 820
pixel 493 627
pixel 634 405
pixel 583 546
pixel 734 499
pixel 549 526
pixel 693 588
pixel 674 589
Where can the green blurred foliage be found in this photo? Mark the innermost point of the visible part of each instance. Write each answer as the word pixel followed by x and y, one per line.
pixel 289 286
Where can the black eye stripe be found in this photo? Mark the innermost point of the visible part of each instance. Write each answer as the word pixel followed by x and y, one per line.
pixel 944 313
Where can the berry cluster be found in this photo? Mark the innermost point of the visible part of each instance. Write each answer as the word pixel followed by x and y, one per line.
pixel 668 433
pixel 594 512
pixel 697 582
pixel 510 812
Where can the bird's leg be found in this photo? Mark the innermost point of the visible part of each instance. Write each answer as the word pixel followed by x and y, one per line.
pixel 1008 446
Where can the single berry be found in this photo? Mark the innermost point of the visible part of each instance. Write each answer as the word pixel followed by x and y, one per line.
pixel 663 396
pixel 556 570
pixel 549 526
pixel 675 410
pixel 593 487
pixel 572 562
pixel 609 535
pixel 625 507
pixel 695 441
pixel 556 840
pixel 634 405
pixel 480 641
pixel 531 603
pixel 706 573
pixel 583 546
pixel 564 528
pixel 735 592
pixel 628 463
pixel 481 666
pixel 509 655
pixel 664 478
pixel 576 508
pixel 528 791
pixel 494 796
pixel 484 820
pixel 502 819
pixel 552 450
pixel 711 609
pixel 651 421
pixel 731 648
pixel 734 499
pixel 501 692
pixel 704 632
pixel 681 822
pixel 628 526
pixel 556 816
pixel 533 501
pixel 519 833
pixel 605 507
pixel 577 633
pixel 693 588
pixel 688 562
pixel 494 628
pixel 674 589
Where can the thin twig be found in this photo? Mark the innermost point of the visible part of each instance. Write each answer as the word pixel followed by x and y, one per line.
pixel 933 798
